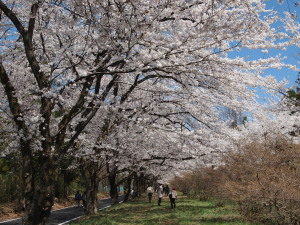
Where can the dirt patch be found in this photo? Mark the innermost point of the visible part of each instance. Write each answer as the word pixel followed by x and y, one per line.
pixel 10 210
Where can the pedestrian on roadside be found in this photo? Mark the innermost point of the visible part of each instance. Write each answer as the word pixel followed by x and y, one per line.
pixel 150 191
pixel 159 193
pixel 77 198
pixel 173 197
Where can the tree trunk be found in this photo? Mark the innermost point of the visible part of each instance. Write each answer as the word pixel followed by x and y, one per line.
pixel 139 184
pixel 113 188
pixel 39 189
pixel 91 193
pixel 127 188
pixel 92 204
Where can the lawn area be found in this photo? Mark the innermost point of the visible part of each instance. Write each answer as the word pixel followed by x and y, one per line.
pixel 188 211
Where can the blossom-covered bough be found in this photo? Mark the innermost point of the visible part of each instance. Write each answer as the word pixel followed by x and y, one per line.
pixel 161 63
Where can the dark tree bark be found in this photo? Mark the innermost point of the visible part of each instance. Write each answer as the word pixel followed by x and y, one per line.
pixel 91 196
pixel 139 184
pixel 127 188
pixel 91 172
pixel 113 188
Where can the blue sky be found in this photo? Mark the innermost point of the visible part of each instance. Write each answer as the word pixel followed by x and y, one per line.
pixel 292 53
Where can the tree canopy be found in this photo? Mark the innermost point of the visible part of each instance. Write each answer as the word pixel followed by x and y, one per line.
pixel 141 80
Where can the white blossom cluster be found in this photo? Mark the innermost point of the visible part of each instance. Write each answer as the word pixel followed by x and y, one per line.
pixel 137 83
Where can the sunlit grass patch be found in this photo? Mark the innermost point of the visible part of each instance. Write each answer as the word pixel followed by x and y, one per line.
pixel 188 212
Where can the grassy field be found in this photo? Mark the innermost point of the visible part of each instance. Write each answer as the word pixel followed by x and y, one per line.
pixel 188 211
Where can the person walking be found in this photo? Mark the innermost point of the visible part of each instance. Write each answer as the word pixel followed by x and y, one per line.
pixel 78 198
pixel 150 191
pixel 173 197
pixel 159 194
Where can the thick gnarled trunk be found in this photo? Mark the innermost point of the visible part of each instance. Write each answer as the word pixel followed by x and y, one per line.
pixel 113 188
pixel 127 188
pixel 92 204
pixel 91 193
pixel 39 186
pixel 39 176
pixel 91 172
pixel 139 184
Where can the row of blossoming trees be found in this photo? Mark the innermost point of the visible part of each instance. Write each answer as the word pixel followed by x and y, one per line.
pixel 262 176
pixel 261 173
pixel 126 86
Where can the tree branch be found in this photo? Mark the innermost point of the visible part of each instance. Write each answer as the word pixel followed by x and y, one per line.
pixel 13 101
pixel 13 18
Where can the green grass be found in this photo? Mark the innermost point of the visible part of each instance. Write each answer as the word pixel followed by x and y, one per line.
pixel 188 212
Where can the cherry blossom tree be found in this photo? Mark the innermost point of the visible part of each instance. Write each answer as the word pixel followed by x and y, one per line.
pixel 63 62
pixel 291 103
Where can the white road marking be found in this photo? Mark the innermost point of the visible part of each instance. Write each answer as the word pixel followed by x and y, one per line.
pixel 81 216
pixel 62 209
pixel 10 220
pixel 70 220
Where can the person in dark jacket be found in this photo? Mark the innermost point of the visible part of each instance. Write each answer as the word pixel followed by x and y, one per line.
pixel 78 198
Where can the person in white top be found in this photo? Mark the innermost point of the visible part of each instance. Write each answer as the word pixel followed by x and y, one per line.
pixel 150 191
pixel 159 193
pixel 173 197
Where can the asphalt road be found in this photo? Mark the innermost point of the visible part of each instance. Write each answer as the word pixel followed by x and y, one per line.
pixel 65 215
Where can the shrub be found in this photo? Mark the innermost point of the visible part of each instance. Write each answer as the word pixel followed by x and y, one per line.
pixel 202 183
pixel 264 179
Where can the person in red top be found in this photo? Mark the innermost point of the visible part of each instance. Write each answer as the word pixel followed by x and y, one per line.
pixel 173 197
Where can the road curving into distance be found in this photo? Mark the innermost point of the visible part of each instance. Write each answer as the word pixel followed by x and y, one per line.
pixel 65 215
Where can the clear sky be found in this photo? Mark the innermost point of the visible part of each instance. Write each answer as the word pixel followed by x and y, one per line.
pixel 292 53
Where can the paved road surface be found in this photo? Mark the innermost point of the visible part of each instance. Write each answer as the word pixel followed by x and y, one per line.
pixel 63 216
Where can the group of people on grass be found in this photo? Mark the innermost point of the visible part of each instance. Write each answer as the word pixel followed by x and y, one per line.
pixel 160 191
pixel 150 190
